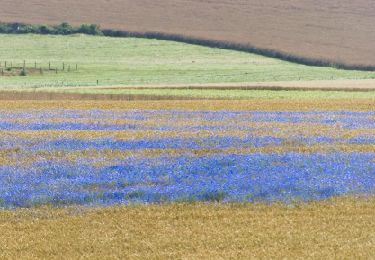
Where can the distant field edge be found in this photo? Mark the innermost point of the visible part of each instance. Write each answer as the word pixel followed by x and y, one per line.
pixel 257 104
pixel 47 95
pixel 93 29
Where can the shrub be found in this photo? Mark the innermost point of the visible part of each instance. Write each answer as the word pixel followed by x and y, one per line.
pixel 64 29
pixel 91 29
pixel 45 29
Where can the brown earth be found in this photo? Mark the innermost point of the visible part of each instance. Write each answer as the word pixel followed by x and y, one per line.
pixel 338 30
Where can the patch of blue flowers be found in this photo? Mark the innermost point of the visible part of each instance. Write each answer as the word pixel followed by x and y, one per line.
pixel 43 120
pixel 183 176
pixel 257 177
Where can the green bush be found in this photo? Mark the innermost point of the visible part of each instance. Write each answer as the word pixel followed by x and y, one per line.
pixel 64 29
pixel 45 29
pixel 91 29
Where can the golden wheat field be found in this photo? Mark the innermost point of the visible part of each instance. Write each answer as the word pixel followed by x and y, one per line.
pixel 253 104
pixel 335 229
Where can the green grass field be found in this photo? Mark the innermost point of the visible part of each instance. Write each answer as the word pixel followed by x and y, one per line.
pixel 130 61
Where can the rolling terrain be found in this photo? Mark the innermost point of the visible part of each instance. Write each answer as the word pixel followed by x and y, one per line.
pixel 147 63
pixel 150 148
pixel 340 31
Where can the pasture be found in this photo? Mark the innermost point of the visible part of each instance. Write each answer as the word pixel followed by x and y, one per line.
pixel 138 62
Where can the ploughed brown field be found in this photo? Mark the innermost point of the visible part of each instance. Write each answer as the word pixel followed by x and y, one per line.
pixel 337 30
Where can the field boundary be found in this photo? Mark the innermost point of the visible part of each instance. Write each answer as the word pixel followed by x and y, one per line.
pixel 47 95
pixel 270 88
pixel 93 29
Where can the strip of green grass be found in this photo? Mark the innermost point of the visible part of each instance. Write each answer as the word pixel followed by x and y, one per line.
pixel 130 61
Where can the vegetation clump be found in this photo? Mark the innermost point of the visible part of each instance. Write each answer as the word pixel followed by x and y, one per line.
pixel 61 29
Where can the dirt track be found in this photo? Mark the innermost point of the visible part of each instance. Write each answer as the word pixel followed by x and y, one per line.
pixel 339 30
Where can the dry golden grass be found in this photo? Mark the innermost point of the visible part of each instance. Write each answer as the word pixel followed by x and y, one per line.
pixel 332 85
pixel 341 229
pixel 253 104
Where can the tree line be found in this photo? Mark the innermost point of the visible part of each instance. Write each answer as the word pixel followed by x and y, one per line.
pixel 61 29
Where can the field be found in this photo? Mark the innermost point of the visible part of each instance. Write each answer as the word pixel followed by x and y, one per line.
pixel 341 228
pixel 199 161
pixel 157 149
pixel 130 61
pixel 105 157
pixel 336 30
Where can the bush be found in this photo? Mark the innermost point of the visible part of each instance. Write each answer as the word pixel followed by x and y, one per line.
pixel 64 29
pixel 45 29
pixel 91 29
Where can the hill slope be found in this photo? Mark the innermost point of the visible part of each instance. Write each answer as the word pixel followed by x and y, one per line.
pixel 337 30
pixel 130 61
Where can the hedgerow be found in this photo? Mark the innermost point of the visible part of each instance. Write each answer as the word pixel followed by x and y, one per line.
pixel 61 29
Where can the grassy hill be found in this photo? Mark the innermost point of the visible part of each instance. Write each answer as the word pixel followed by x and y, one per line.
pixel 134 62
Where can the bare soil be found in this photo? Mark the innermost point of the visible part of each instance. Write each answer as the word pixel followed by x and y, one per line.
pixel 337 30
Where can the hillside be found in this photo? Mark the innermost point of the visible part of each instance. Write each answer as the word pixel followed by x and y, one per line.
pixel 138 62
pixel 340 31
